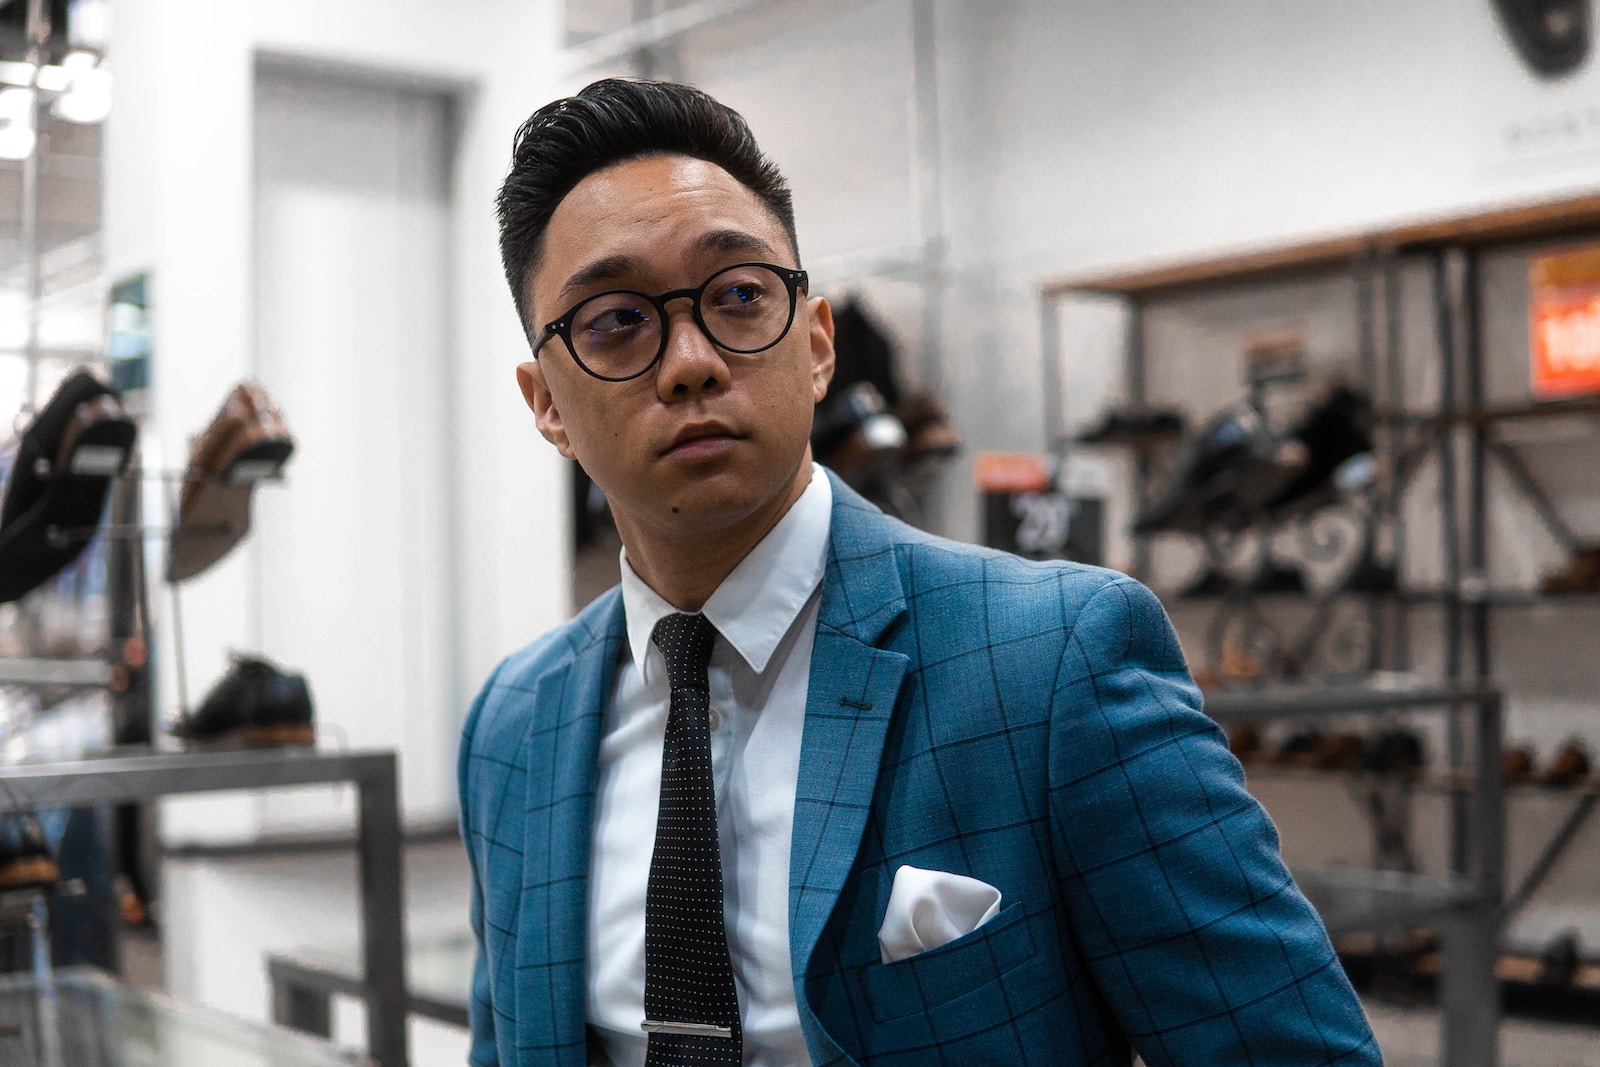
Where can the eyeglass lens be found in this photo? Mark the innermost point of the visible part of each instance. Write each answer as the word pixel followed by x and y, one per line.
pixel 744 309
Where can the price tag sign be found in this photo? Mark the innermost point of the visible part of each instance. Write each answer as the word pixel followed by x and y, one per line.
pixel 1564 320
pixel 1024 512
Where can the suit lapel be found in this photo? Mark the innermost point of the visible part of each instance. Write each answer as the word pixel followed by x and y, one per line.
pixel 552 928
pixel 852 694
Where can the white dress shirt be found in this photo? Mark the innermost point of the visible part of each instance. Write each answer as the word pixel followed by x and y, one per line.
pixel 765 613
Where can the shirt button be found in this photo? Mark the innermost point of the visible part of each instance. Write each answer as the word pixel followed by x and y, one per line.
pixel 713 718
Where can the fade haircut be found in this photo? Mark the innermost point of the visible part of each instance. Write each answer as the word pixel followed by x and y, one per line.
pixel 609 122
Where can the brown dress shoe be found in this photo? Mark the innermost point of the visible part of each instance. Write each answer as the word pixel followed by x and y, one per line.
pixel 1571 766
pixel 1516 765
pixel 1244 741
pixel 25 859
pixel 1341 752
pixel 1580 575
pixel 928 430
pixel 247 441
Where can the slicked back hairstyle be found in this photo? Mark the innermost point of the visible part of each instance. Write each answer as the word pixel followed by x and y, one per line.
pixel 610 121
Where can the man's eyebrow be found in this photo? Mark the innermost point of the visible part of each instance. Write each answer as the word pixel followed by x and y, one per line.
pixel 733 241
pixel 601 270
pixel 613 267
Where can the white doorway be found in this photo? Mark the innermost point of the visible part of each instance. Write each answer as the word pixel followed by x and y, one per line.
pixel 356 569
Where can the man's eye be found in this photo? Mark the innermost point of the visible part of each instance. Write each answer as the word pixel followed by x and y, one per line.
pixel 615 319
pixel 739 294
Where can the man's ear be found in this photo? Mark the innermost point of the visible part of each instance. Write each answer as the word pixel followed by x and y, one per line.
pixel 821 348
pixel 536 391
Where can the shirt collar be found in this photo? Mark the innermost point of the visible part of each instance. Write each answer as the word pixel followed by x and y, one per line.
pixel 755 605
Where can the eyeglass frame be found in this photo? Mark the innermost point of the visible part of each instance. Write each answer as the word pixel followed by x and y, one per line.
pixel 794 280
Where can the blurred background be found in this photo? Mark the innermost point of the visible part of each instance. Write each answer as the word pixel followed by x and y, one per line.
pixel 1292 310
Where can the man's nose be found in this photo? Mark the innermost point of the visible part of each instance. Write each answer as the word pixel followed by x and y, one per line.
pixel 692 363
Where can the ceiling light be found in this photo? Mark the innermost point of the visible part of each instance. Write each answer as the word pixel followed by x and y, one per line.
pixel 16 72
pixel 89 22
pixel 54 79
pixel 17 141
pixel 17 105
pixel 89 98
pixel 17 137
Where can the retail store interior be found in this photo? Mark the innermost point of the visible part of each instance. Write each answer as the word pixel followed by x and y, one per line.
pixel 1289 310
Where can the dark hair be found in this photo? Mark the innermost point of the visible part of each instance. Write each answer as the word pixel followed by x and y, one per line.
pixel 610 121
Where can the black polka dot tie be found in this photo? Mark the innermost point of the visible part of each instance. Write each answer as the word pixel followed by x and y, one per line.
pixel 690 1005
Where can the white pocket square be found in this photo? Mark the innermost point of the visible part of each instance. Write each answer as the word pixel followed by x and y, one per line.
pixel 931 908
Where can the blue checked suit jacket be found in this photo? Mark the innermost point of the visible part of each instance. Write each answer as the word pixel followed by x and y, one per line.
pixel 1029 724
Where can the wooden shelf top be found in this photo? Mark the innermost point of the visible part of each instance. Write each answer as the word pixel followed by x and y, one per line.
pixel 1512 224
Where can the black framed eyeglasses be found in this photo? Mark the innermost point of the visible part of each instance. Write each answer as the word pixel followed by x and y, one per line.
pixel 620 334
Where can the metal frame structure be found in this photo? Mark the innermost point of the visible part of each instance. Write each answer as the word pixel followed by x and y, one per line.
pixel 1468 904
pixel 1459 426
pixel 123 778
pixel 303 988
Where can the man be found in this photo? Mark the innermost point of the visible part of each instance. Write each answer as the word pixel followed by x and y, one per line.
pixel 810 785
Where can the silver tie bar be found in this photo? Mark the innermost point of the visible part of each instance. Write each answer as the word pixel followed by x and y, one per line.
pixel 656 1026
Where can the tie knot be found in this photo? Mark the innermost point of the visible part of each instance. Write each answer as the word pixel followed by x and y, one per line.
pixel 685 642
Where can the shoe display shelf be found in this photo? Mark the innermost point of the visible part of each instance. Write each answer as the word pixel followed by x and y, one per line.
pixel 68 674
pixel 122 777
pixel 1466 905
pixel 90 1020
pixel 1425 318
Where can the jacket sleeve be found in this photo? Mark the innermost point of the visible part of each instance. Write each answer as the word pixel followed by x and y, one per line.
pixel 1198 939
pixel 482 1052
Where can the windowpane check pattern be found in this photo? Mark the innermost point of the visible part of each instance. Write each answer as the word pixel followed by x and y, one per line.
pixel 1028 724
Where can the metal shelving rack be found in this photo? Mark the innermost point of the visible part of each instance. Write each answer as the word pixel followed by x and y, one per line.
pixel 122 778
pixel 1460 426
pixel 1467 904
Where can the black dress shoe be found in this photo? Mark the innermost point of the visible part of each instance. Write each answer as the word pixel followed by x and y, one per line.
pixel 1134 426
pixel 253 704
pixel 1397 751
pixel 1274 577
pixel 1223 479
pixel 1213 581
pixel 25 859
pixel 1334 431
pixel 57 490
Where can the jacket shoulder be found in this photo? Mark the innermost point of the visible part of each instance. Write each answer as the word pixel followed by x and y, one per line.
pixel 928 562
pixel 504 702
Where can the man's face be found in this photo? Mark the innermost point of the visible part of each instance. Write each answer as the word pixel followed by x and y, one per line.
pixel 707 441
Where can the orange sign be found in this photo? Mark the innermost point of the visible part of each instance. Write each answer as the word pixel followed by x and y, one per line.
pixel 1564 317
pixel 1011 472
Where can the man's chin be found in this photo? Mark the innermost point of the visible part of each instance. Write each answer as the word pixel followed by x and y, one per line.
pixel 716 507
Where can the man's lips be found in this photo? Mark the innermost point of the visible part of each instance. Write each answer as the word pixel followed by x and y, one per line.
pixel 702 439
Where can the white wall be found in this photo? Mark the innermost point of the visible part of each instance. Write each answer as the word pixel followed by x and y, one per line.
pixel 1083 138
pixel 1074 138
pixel 179 181
pixel 1078 138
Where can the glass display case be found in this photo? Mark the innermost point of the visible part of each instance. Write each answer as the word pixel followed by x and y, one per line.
pixel 120 778
pixel 92 1021
pixel 438 970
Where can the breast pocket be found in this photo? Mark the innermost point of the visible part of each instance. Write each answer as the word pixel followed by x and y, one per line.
pixel 963 967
